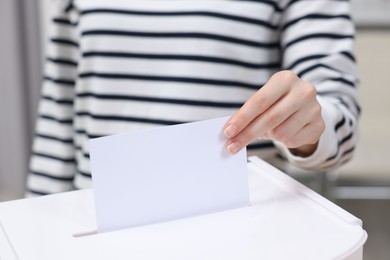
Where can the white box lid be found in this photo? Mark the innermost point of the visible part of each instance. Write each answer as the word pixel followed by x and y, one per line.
pixel 285 221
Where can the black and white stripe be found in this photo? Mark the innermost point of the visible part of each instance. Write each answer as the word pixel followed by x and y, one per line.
pixel 113 66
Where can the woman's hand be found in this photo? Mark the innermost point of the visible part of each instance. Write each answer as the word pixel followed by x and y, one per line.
pixel 285 109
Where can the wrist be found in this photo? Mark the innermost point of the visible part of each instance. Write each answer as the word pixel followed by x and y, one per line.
pixel 304 150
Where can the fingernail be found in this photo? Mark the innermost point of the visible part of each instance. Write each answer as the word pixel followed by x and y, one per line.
pixel 230 131
pixel 233 148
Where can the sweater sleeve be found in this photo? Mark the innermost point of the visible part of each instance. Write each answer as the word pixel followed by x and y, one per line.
pixel 52 163
pixel 317 38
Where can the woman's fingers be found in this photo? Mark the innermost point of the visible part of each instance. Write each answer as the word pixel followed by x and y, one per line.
pixel 256 105
pixel 285 110
pixel 263 125
pixel 309 112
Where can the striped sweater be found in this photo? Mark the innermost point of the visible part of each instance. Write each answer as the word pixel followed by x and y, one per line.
pixel 116 66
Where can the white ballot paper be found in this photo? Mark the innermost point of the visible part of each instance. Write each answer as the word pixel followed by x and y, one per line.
pixel 166 173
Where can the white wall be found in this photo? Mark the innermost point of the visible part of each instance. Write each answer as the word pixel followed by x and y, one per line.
pixel 20 80
pixel 373 12
pixel 13 142
pixel 44 14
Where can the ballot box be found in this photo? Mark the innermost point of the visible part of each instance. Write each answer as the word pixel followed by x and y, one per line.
pixel 286 220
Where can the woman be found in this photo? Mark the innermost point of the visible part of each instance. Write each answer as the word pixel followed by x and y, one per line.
pixel 284 70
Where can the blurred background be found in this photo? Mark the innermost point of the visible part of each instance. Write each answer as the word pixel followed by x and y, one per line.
pixel 362 187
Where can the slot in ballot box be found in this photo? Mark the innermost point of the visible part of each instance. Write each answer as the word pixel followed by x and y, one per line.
pixel 286 220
